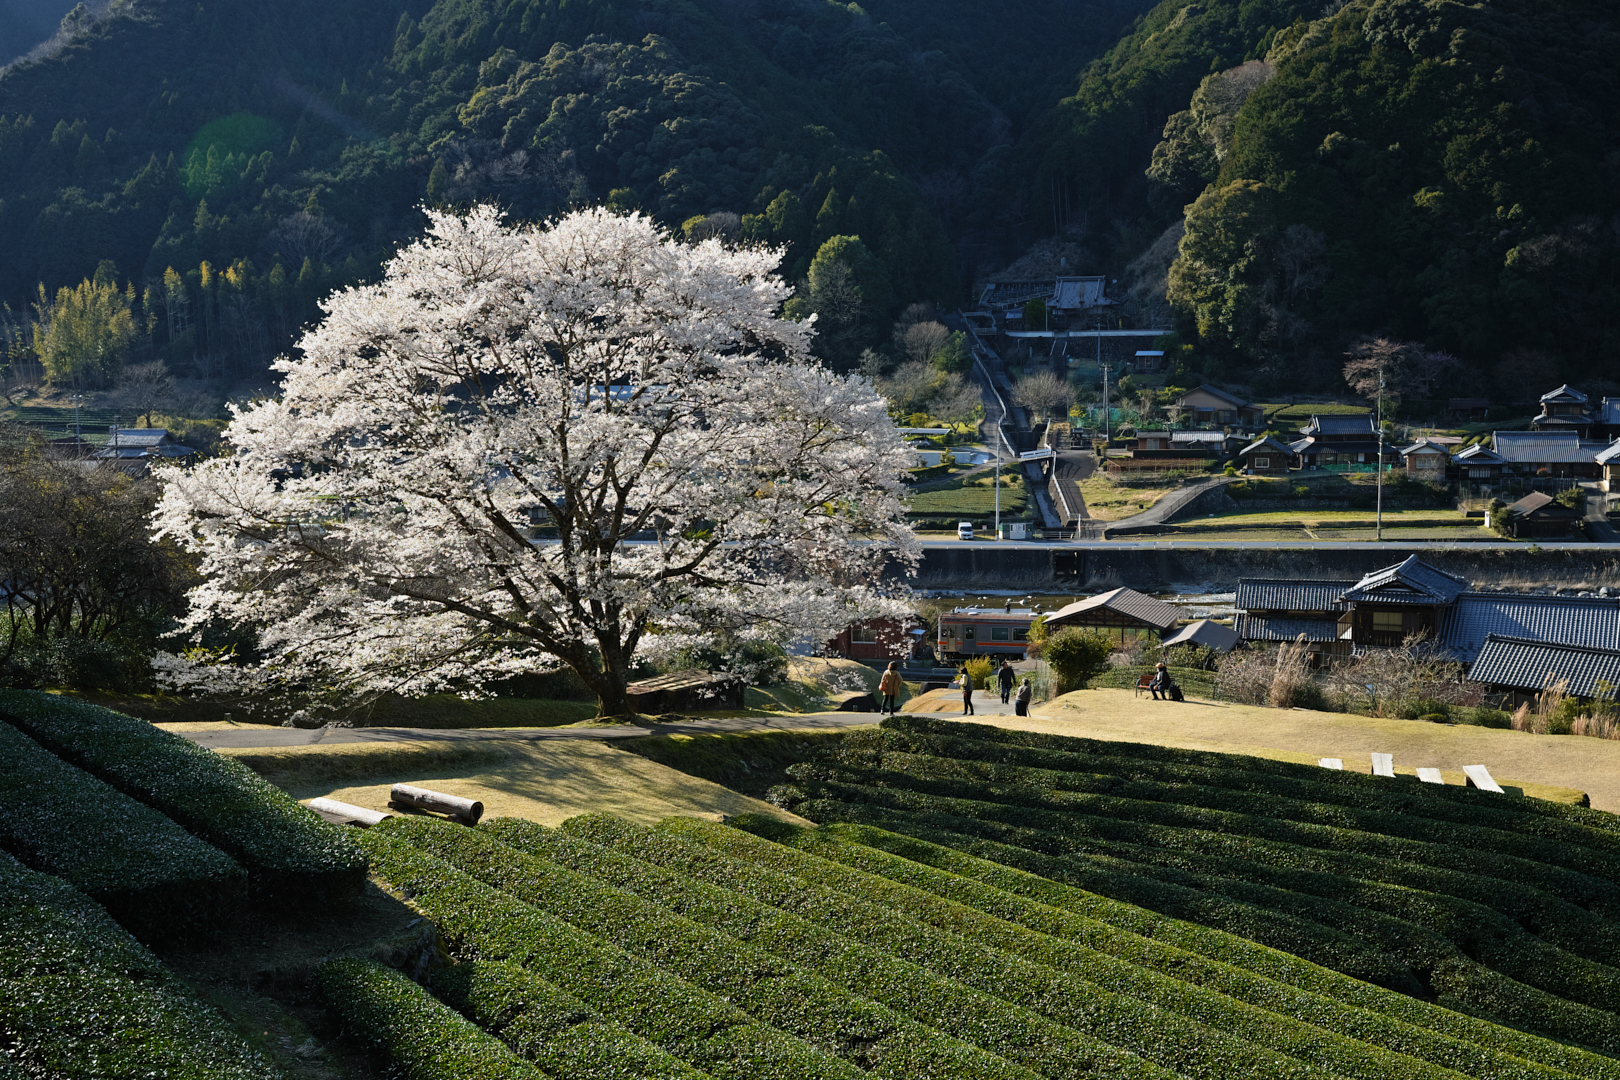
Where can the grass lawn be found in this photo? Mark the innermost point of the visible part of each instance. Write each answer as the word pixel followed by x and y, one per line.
pixel 1109 500
pixel 1341 518
pixel 975 496
pixel 1548 766
pixel 1303 413
pixel 546 782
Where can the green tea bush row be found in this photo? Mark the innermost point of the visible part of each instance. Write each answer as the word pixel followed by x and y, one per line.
pixel 152 875
pixel 1231 952
pixel 421 1038
pixel 693 1025
pixel 1350 889
pixel 1065 997
pixel 1455 903
pixel 1398 809
pixel 1346 1056
pixel 1401 808
pixel 976 1018
pixel 1458 981
pixel 1377 856
pixel 1218 865
pixel 855 846
pixel 559 1033
pixel 80 999
pixel 1466 800
pixel 290 849
pixel 870 1036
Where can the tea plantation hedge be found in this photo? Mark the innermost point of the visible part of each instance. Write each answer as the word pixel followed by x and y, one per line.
pixel 562 1035
pixel 291 852
pixel 700 1028
pixel 1514 925
pixel 848 951
pixel 80 999
pixel 153 876
pixel 423 1039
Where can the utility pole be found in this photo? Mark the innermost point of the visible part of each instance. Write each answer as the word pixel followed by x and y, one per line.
pixel 1380 439
pixel 1107 423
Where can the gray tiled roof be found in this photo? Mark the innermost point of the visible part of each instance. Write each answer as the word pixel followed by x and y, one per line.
pixel 1537 447
pixel 1281 628
pixel 1564 393
pixel 1410 582
pixel 1207 633
pixel 1566 620
pixel 1280 594
pixel 1531 665
pixel 1127 602
pixel 1340 426
pixel 1480 454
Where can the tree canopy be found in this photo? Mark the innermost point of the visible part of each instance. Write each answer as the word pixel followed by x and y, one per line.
pixel 582 443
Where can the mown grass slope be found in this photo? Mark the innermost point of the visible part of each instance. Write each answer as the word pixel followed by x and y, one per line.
pixel 694 948
pixel 1504 908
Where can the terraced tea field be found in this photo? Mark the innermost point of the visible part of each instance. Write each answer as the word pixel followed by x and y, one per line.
pixel 691 949
pixel 1503 908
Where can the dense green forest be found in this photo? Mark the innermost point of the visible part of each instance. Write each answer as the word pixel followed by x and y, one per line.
pixel 1276 178
pixel 1432 171
pixel 222 166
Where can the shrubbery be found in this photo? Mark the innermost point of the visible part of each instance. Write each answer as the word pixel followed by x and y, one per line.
pixel 155 877
pixel 80 999
pixel 290 850
pixel 1075 656
pixel 1446 901
pixel 421 1038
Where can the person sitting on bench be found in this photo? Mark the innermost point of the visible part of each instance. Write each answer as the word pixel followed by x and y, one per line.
pixel 1161 683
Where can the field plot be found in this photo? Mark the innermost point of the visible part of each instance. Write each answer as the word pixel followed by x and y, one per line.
pixel 1505 908
pixel 691 949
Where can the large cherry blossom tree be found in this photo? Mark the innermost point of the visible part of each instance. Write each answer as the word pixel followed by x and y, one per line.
pixel 580 442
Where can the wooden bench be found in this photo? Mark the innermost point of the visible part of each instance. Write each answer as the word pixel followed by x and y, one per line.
pixel 1383 765
pixel 1143 683
pixel 1480 777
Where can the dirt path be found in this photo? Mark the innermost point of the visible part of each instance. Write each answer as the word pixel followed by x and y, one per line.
pixel 1515 758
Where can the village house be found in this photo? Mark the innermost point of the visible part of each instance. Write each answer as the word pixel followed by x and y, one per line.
pixel 1555 454
pixel 1329 442
pixel 1479 464
pixel 1269 456
pixel 1207 406
pixel 1609 462
pixel 1521 668
pixel 1388 606
pixel 1564 409
pixel 1426 460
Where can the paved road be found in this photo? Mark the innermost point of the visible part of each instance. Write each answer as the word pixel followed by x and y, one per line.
pixel 247 736
pixel 1300 545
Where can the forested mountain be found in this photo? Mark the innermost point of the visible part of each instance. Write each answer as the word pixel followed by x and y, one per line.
pixel 225 164
pixel 1441 172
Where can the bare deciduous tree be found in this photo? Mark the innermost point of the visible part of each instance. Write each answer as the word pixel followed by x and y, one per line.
pixel 1404 368
pixel 1044 392
pixel 304 235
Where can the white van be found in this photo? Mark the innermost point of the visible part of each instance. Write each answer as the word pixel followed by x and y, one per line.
pixel 964 530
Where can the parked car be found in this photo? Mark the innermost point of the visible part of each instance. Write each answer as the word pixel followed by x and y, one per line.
pixel 964 530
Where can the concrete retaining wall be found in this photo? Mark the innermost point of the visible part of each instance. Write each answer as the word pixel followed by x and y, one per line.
pixel 1063 567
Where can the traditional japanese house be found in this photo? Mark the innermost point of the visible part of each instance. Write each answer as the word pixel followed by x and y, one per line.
pixel 1426 460
pixel 1556 454
pixel 1269 456
pixel 1283 610
pixel 1523 667
pixel 1565 409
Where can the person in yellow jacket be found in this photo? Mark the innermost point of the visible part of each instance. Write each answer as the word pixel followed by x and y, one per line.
pixel 889 687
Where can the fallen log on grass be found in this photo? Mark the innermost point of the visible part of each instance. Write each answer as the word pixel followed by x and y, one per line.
pixel 463 810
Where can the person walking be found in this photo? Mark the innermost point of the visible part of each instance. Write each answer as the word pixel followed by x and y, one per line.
pixel 1021 702
pixel 889 687
pixel 967 692
pixel 1005 677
